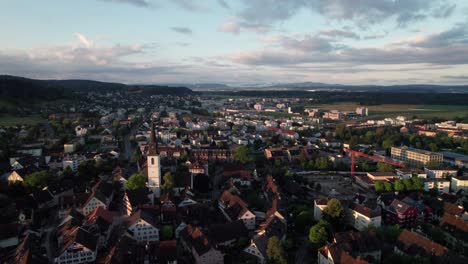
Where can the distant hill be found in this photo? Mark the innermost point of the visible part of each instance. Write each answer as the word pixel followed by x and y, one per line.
pixel 24 90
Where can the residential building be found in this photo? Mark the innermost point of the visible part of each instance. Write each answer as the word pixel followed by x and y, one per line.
pixel 440 173
pixel 442 185
pixel 234 208
pixel 399 212
pixel 361 217
pixel 78 246
pixel 142 227
pixel 459 183
pixel 415 157
pixel 195 242
pixel 319 205
pixel 414 244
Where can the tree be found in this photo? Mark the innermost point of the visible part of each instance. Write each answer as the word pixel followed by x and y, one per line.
pixel 136 181
pixel 418 183
pixel 408 184
pixel 168 180
pixel 243 155
pixel 275 252
pixel 323 163
pixel 37 180
pixel 318 233
pixel 137 155
pixel 384 167
pixel 379 186
pixel 388 187
pixel 167 232
pixel 399 186
pixel 334 210
pixel 303 219
pixel 387 144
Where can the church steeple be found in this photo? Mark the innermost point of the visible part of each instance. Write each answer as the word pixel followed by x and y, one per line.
pixel 153 145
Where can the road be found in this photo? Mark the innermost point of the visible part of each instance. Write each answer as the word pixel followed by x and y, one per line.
pixel 301 252
pixel 128 149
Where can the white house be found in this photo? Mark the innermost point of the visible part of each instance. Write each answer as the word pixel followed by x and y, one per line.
pixel 319 205
pixel 78 246
pixel 142 227
pixel 459 183
pixel 233 208
pixel 442 186
pixel 361 217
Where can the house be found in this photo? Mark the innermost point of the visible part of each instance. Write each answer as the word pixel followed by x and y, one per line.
pixel 100 222
pixel 361 217
pixel 101 196
pixel 28 252
pixel 227 234
pixel 441 185
pixel 360 244
pixel 399 212
pixel 274 225
pixel 142 227
pixel 414 244
pixel 234 208
pixel 459 184
pixel 440 173
pixel 455 227
pixel 78 246
pixel 12 177
pixel 195 242
pixel 335 255
pixel 319 205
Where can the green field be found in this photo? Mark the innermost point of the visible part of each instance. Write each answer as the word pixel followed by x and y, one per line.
pixel 390 110
pixel 8 121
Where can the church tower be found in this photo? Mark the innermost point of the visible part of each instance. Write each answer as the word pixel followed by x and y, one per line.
pixel 153 164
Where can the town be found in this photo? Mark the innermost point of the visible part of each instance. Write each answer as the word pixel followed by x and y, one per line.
pixel 117 177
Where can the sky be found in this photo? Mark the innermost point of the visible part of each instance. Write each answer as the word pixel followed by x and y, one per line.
pixel 237 42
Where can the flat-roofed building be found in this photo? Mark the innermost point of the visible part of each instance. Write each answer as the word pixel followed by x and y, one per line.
pixel 415 157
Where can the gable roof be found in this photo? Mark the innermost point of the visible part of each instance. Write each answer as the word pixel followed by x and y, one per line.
pixel 456 222
pixel 220 233
pixel 195 238
pixel 411 241
pixel 80 236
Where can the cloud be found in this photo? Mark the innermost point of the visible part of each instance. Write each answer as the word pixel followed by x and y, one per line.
pixel 306 44
pixel 141 3
pixel 361 12
pixel 188 5
pixel 338 33
pixel 456 77
pixel 182 30
pixel 234 25
pixel 456 35
pixel 224 4
pixel 85 41
pixel 444 11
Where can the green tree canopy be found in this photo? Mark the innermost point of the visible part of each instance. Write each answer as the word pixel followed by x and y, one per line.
pixel 318 234
pixel 399 185
pixel 37 180
pixel 275 252
pixel 168 180
pixel 379 186
pixel 388 187
pixel 418 183
pixel 137 180
pixel 384 167
pixel 243 155
pixel 334 209
pixel 167 232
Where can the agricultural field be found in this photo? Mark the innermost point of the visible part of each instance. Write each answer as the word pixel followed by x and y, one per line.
pixel 9 120
pixel 389 110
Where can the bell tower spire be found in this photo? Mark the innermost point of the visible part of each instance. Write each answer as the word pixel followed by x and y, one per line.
pixel 153 164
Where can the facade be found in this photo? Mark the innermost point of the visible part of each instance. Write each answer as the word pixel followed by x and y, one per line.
pixel 459 183
pixel 154 165
pixel 401 213
pixel 319 205
pixel 79 246
pixel 194 241
pixel 442 186
pixel 142 227
pixel 233 208
pixel 440 173
pixel 362 111
pixel 361 217
pixel 415 157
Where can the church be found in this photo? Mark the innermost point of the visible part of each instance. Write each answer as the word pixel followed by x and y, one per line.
pixel 154 165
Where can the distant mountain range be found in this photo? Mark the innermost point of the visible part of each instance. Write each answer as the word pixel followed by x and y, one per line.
pixel 316 86
pixel 24 89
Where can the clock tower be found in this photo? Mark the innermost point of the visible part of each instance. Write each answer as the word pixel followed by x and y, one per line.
pixel 153 164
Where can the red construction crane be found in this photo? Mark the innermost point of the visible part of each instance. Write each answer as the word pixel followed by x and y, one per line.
pixel 354 153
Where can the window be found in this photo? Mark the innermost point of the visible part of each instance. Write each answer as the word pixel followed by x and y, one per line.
pixel 152 161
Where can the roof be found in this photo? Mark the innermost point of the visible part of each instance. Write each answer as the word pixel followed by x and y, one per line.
pixel 409 240
pixel 364 210
pixel 340 256
pixel 453 209
pixel 80 236
pixel 140 214
pixel 398 206
pixel 352 241
pixel 195 238
pixel 456 222
pixel 220 233
pixel 28 252
pixel 234 206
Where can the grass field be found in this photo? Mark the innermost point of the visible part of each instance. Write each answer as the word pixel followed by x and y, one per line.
pixel 389 110
pixel 8 121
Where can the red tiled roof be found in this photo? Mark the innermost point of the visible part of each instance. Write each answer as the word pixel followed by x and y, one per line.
pixel 409 239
